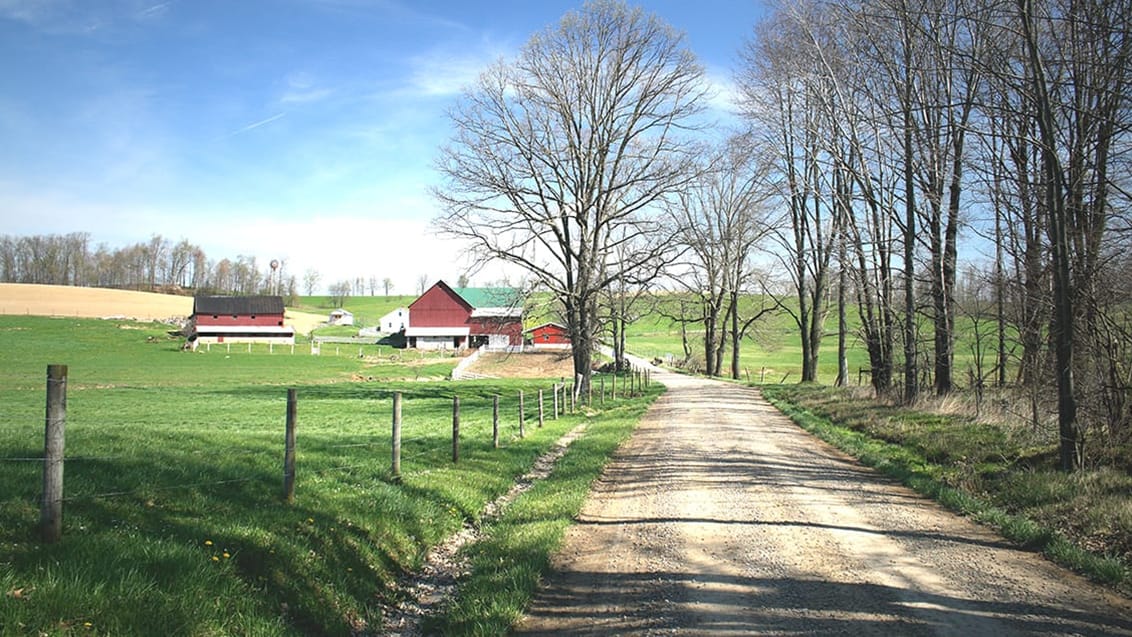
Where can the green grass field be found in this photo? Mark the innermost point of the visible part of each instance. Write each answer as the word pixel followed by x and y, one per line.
pixel 173 515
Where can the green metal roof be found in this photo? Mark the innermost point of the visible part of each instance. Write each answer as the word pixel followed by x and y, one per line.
pixel 491 297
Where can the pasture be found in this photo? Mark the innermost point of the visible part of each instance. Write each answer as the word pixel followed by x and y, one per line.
pixel 173 514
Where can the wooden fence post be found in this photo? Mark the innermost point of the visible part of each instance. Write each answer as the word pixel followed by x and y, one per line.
pixel 602 392
pixel 556 401
pixel 613 386
pixel 396 468
pixel 289 447
pixel 573 399
pixel 540 409
pixel 51 508
pixel 590 392
pixel 521 433
pixel 455 429
pixel 495 421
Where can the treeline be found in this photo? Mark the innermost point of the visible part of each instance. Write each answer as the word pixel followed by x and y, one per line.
pixel 885 131
pixel 155 265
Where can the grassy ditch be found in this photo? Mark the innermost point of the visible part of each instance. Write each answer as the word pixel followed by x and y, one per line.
pixel 515 552
pixel 173 520
pixel 1001 476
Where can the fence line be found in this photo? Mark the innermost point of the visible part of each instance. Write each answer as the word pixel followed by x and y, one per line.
pixel 54 457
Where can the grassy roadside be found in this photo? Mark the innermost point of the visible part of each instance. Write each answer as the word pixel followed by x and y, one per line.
pixel 173 521
pixel 508 563
pixel 1004 478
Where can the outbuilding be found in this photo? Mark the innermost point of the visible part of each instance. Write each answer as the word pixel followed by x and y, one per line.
pixel 549 336
pixel 341 317
pixel 238 319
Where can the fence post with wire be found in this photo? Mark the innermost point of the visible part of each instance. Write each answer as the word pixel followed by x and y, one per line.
pixel 51 510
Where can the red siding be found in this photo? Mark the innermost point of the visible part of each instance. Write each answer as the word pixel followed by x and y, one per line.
pixel 439 307
pixel 512 327
pixel 228 319
pixel 550 334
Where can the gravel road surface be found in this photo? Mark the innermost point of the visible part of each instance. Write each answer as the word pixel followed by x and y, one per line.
pixel 721 517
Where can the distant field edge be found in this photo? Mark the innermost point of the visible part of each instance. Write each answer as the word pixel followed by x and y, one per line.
pixel 59 300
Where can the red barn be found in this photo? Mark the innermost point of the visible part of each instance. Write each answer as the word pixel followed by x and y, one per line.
pixel 239 319
pixel 549 336
pixel 456 318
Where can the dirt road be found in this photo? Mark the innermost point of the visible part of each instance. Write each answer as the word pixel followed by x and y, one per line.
pixel 721 517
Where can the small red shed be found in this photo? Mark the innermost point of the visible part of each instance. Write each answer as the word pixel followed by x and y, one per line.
pixel 549 335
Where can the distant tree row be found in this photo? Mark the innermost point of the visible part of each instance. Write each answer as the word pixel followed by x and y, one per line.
pixel 154 265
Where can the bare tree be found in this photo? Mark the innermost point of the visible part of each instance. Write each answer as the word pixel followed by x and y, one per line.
pixel 566 151
pixel 720 221
pixel 784 87
pixel 387 285
pixel 311 279
pixel 1080 78
pixel 340 291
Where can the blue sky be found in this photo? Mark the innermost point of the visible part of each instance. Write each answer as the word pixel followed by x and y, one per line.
pixel 302 130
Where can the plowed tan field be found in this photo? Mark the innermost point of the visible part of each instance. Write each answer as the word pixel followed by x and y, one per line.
pixel 59 300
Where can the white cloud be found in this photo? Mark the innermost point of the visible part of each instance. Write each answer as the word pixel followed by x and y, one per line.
pixel 724 92
pixel 302 87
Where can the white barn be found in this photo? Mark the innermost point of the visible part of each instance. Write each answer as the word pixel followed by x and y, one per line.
pixel 341 317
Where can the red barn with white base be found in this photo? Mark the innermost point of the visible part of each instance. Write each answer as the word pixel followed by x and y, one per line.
pixel 239 319
pixel 457 318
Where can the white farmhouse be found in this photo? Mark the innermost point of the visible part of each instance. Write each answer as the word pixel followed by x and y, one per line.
pixel 395 321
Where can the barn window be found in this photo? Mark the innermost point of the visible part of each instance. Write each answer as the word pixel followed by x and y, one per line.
pixel 235 316
pixel 253 316
pixel 546 336
pixel 214 316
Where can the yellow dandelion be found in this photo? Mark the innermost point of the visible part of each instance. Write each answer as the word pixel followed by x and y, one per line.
pixel 208 542
pixel 226 555
pixel 88 625
pixel 215 559
pixel 310 520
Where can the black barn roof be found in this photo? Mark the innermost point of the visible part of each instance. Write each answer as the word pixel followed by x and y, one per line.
pixel 238 305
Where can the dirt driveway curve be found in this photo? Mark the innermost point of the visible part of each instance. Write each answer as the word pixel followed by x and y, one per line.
pixel 720 516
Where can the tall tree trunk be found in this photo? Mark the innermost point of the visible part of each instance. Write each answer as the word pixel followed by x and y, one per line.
pixel 1069 429
pixel 911 387
pixel 735 335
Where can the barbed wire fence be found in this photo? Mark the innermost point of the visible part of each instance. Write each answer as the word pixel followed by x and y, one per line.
pixel 424 450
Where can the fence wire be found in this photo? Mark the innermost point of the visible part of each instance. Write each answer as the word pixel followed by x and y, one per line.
pixel 420 454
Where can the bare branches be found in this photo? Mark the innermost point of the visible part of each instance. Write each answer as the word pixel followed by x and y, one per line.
pixel 562 157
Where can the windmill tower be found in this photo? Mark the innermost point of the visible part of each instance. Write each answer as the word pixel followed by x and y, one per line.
pixel 275 277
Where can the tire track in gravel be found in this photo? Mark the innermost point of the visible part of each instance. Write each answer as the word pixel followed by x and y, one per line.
pixel 720 516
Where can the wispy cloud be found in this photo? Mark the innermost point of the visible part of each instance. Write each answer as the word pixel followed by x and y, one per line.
pixel 255 125
pixel 724 95
pixel 154 10
pixel 397 11
pixel 302 88
pixel 443 72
